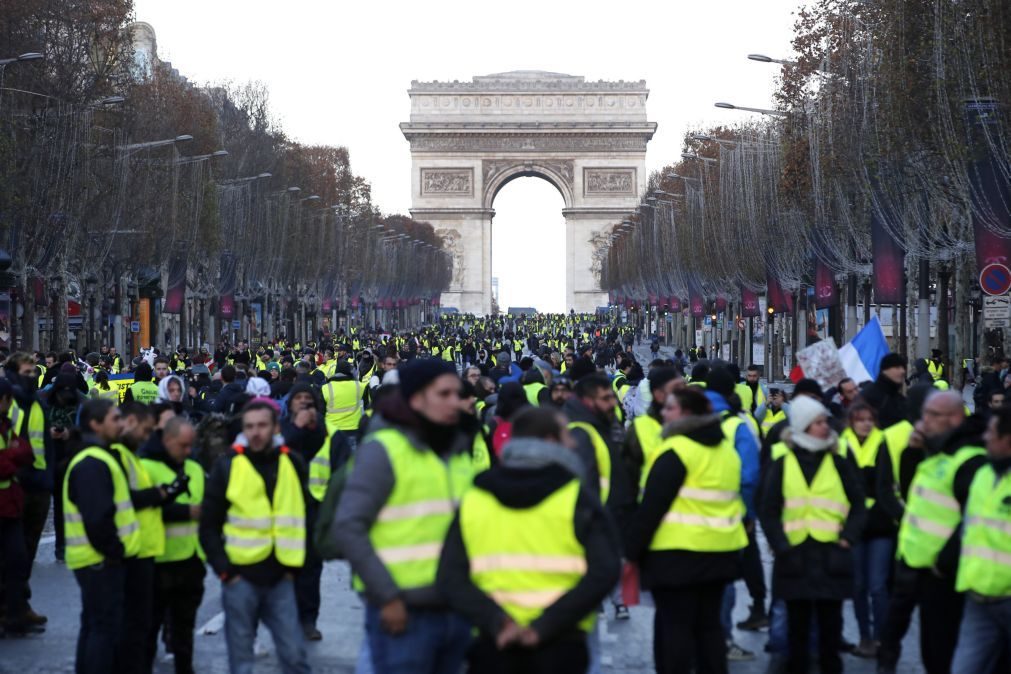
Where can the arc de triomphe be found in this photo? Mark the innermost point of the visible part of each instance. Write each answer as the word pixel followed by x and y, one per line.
pixel 468 139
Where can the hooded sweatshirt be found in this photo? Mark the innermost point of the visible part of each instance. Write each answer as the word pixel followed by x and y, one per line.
pixel 531 470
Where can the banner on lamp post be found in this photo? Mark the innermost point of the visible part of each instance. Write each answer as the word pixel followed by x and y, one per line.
pixel 990 188
pixel 780 301
pixel 826 292
pixel 226 287
pixel 749 304
pixel 888 263
pixel 175 292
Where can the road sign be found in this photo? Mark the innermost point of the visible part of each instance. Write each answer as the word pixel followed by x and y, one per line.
pixel 135 326
pixel 236 325
pixel 997 311
pixel 995 279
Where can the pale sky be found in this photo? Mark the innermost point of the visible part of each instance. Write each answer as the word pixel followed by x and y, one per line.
pixel 338 72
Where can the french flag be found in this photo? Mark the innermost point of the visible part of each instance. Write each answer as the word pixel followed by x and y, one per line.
pixel 861 357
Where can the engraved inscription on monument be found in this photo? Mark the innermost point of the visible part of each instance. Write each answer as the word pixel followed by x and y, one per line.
pixel 608 181
pixel 447 182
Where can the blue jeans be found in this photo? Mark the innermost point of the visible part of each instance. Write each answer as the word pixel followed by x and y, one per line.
pixel 985 634
pixel 245 605
pixel 435 642
pixel 727 611
pixel 873 562
pixel 778 628
pixel 103 597
pixel 594 648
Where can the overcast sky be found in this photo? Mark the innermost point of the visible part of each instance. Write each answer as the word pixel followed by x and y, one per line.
pixel 339 71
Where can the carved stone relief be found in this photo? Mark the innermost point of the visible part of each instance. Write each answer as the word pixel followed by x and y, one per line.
pixel 527 143
pixel 606 181
pixel 452 240
pixel 447 182
pixel 599 243
pixel 492 168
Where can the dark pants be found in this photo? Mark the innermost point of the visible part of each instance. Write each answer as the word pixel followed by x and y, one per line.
pixel 940 614
pixel 567 655
pixel 178 591
pixel 14 570
pixel 61 475
pixel 800 613
pixel 139 585
pixel 103 598
pixel 34 518
pixel 687 634
pixel 754 574
pixel 308 579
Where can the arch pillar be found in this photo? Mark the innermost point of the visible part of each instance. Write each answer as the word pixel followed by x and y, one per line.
pixel 466 234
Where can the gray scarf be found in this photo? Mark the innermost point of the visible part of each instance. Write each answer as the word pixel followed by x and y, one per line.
pixel 533 453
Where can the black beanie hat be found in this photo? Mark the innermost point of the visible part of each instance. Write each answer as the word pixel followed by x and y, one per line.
pixel 418 373
pixel 893 360
pixel 720 381
pixel 582 367
pixel 809 386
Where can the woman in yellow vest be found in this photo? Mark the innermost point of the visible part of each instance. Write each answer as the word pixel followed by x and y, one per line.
pixel 812 511
pixel 687 535
pixel 530 555
pixel 874 554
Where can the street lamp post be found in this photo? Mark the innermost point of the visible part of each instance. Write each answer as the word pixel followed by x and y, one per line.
pixel 23 58
pixel 764 111
pixel 90 283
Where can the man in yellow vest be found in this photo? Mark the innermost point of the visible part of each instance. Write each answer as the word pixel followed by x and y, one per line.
pixel 935 365
pixel 984 569
pixel 29 422
pixel 409 474
pixel 142 390
pixel 253 531
pixel 531 554
pixel 598 438
pixel 179 569
pixel 342 402
pixel 15 455
pixel 102 532
pixel 687 535
pixel 930 533
pixel 642 441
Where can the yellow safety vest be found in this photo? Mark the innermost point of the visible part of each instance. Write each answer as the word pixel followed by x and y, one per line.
pixel 152 530
pixel 257 525
pixel 936 370
pixel 481 456
pixel 897 439
pixel 866 454
pixel 648 431
pixel 410 529
pixel 5 484
pixel 985 563
pixel 181 539
pixel 319 471
pixel 707 512
pixel 771 419
pixel 817 510
pixel 532 391
pixel 144 392
pixel 79 552
pixel 343 400
pixel 601 453
pixel 524 558
pixel 932 512
pixel 35 425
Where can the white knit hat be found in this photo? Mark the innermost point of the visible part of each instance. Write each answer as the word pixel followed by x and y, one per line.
pixel 804 410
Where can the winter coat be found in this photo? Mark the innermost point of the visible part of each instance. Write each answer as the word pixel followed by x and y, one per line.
pixel 885 396
pixel 811 570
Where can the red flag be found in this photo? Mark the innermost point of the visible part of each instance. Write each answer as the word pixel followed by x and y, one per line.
pixel 796 374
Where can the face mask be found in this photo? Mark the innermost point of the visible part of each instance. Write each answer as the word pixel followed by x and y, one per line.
pixel 29 383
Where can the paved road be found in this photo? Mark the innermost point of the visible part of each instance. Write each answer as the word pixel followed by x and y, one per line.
pixel 627 646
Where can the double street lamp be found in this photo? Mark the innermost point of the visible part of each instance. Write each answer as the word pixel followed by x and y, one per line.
pixel 23 58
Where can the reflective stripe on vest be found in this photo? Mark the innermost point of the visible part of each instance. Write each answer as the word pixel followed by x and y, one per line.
pixel 33 429
pixel 152 529
pixel 648 431
pixel 319 471
pixel 601 453
pixel 409 530
pixel 985 563
pixel 817 510
pixel 181 539
pixel 343 412
pixel 79 552
pixel 932 512
pixel 257 525
pixel 707 512
pixel 525 559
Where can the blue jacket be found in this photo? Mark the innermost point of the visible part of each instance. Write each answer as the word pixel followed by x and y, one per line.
pixel 747 448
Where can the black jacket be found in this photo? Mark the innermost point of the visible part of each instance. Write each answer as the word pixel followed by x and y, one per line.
pixel 215 511
pixel 621 500
pixel 885 396
pixel 811 570
pixel 90 488
pixel 526 488
pixel 675 568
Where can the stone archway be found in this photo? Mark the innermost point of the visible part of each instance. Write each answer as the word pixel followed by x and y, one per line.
pixel 469 139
